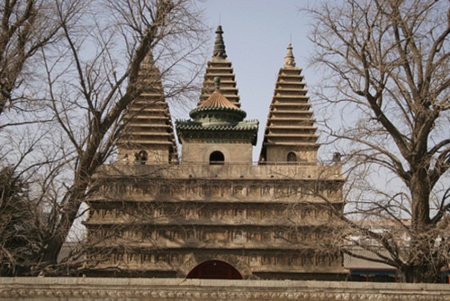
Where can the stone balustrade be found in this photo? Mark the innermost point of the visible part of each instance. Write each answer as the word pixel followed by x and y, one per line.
pixel 204 290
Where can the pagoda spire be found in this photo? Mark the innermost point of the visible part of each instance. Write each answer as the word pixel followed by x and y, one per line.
pixel 220 66
pixel 219 46
pixel 289 59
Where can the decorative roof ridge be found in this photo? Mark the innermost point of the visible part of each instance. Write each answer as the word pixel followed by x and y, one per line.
pixel 238 127
pixel 223 109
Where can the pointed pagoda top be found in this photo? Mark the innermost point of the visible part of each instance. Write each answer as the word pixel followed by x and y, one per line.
pixel 289 60
pixel 220 66
pixel 219 46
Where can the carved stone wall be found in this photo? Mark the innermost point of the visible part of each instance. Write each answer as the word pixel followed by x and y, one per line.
pixel 87 289
pixel 266 221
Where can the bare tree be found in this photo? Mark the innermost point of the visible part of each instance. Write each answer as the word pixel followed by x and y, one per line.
pixel 88 80
pixel 389 63
pixel 26 27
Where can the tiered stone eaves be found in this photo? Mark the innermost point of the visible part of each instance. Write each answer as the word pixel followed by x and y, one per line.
pixel 220 67
pixel 148 120
pixel 290 119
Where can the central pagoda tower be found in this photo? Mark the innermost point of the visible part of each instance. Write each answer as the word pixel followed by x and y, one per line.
pixel 218 133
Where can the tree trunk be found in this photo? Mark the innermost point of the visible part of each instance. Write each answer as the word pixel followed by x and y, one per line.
pixel 420 274
pixel 421 265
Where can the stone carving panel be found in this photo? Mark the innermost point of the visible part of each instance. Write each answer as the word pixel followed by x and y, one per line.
pixel 171 289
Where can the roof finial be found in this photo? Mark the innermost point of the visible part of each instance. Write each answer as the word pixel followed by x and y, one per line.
pixel 219 45
pixel 217 84
pixel 289 60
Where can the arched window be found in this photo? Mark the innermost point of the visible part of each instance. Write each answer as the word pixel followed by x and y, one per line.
pixel 216 158
pixel 292 157
pixel 141 157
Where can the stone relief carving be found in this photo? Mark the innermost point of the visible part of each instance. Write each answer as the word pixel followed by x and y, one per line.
pixel 79 291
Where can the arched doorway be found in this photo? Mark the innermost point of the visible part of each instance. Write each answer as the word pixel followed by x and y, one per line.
pixel 216 158
pixel 214 269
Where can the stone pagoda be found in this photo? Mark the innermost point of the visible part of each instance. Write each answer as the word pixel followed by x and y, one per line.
pixel 290 131
pixel 214 213
pixel 148 133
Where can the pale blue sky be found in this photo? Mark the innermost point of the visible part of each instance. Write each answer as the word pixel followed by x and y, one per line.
pixel 256 35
